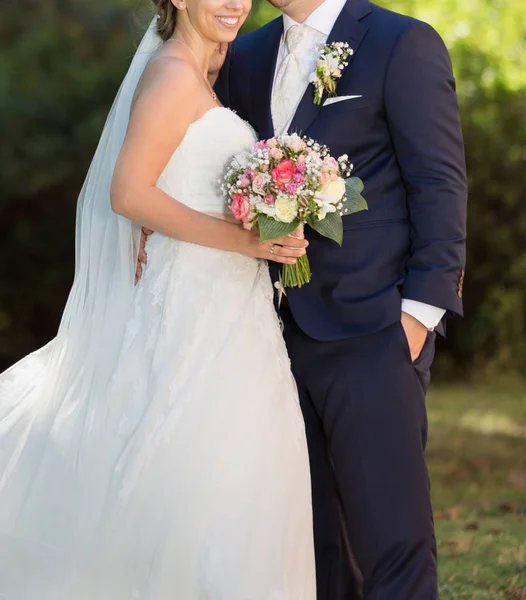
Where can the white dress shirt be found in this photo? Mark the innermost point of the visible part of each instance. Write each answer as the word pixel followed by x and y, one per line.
pixel 322 21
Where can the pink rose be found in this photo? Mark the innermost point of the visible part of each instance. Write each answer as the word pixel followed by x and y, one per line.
pixel 334 177
pixel 261 145
pixel 269 199
pixel 272 143
pixel 243 181
pixel 276 153
pixel 258 184
pixel 284 172
pixel 250 173
pixel 325 178
pixel 240 207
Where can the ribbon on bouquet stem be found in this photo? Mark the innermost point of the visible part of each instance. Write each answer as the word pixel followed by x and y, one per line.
pixel 298 233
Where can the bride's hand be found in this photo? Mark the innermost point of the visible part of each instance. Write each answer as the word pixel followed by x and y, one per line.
pixel 284 250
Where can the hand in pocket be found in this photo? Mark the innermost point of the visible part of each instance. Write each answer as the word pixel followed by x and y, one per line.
pixel 416 334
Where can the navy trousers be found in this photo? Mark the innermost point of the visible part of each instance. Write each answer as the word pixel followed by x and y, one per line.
pixel 363 402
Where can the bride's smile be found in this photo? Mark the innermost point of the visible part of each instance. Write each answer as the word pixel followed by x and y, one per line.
pixel 229 22
pixel 205 22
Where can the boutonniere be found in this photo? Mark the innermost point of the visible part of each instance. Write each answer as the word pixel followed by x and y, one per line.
pixel 329 68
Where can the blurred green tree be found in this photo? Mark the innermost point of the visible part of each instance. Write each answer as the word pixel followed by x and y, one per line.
pixel 61 62
pixel 60 66
pixel 487 41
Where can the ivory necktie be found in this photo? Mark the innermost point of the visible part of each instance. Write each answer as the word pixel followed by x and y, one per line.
pixel 292 78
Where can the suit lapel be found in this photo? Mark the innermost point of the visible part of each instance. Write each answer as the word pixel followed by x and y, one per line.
pixel 346 29
pixel 266 55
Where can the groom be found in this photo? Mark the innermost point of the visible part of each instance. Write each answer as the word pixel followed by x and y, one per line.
pixel 361 334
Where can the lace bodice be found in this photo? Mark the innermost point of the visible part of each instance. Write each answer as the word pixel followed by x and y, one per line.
pixel 193 173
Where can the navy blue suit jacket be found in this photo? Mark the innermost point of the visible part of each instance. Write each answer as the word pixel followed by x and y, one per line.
pixel 404 137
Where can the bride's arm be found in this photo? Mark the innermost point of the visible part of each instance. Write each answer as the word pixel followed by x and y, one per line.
pixel 164 109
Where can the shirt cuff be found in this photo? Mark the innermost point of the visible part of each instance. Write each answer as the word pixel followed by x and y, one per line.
pixel 429 316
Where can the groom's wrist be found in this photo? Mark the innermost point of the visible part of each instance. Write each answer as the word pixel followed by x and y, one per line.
pixel 430 316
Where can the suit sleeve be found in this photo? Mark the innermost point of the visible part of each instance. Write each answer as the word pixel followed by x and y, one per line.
pixel 423 117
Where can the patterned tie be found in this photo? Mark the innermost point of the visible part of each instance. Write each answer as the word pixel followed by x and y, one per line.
pixel 292 78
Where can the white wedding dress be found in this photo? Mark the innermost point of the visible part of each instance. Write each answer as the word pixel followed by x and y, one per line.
pixel 185 475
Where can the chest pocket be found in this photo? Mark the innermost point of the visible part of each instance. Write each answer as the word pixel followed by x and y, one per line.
pixel 345 106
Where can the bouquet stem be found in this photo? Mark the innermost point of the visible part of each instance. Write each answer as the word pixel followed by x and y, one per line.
pixel 298 274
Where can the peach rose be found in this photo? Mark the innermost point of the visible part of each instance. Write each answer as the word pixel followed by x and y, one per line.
pixel 258 184
pixel 296 143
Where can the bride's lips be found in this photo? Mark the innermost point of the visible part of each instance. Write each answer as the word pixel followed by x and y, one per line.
pixel 229 22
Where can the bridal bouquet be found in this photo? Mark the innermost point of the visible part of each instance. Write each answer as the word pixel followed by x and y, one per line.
pixel 288 182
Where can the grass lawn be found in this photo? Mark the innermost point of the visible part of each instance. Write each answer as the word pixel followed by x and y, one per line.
pixel 477 461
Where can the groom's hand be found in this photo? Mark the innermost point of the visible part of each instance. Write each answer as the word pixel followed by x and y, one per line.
pixel 217 62
pixel 416 334
pixel 142 258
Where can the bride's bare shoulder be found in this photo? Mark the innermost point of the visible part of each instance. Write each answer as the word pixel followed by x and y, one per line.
pixel 167 78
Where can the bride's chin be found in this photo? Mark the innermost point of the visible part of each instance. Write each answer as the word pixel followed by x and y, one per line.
pixel 221 38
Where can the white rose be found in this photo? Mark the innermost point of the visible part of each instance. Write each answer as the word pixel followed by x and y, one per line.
pixel 286 209
pixel 333 191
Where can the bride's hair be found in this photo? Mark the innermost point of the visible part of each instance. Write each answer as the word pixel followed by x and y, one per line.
pixel 167 14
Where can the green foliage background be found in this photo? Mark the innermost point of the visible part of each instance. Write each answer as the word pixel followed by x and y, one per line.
pixel 61 62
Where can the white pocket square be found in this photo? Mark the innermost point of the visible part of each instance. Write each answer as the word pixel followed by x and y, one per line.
pixel 339 99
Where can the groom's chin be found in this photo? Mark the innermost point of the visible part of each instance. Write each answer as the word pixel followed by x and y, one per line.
pixel 281 4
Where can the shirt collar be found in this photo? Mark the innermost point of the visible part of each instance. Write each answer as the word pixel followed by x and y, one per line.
pixel 322 19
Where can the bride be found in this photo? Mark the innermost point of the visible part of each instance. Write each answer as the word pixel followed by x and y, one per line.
pixel 155 448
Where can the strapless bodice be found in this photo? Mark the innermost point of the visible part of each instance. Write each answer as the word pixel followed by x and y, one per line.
pixel 194 172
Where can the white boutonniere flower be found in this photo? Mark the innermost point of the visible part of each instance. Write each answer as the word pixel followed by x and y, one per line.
pixel 329 68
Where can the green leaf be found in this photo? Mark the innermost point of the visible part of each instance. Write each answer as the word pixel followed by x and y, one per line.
pixel 354 184
pixel 270 229
pixel 331 227
pixel 354 201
